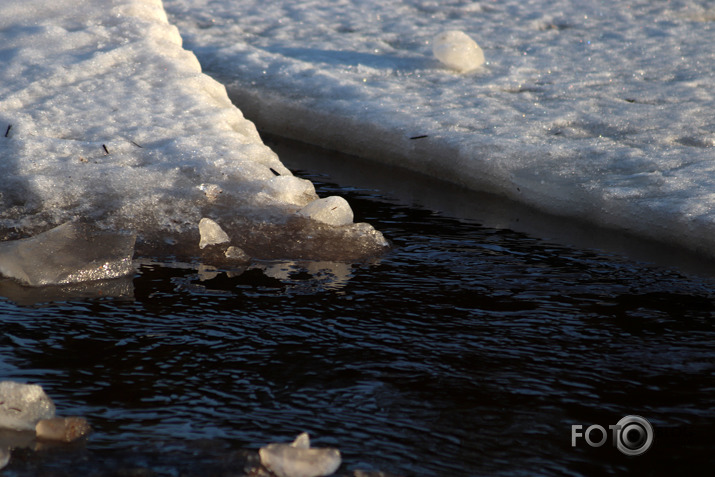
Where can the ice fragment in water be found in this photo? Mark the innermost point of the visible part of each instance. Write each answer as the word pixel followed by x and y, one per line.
pixel 23 405
pixel 65 429
pixel 457 50
pixel 211 233
pixel 332 210
pixel 299 459
pixel 70 253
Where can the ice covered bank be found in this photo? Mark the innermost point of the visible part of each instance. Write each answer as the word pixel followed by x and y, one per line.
pixel 596 110
pixel 104 117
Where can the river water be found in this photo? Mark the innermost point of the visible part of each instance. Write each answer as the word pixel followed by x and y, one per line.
pixel 471 348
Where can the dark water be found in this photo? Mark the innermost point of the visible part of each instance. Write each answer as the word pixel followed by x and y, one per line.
pixel 466 350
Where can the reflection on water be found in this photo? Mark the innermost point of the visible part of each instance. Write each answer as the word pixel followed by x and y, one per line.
pixel 466 350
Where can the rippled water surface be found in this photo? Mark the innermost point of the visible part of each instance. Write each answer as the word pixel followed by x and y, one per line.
pixel 466 350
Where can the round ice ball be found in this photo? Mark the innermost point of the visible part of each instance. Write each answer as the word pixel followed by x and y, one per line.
pixel 457 50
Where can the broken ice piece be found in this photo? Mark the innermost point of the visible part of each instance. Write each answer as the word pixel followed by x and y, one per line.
pixel 71 253
pixel 211 233
pixel 64 429
pixel 332 210
pixel 236 253
pixel 456 50
pixel 23 405
pixel 298 459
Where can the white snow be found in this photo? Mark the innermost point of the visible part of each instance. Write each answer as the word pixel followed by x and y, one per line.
pixel 105 117
pixel 600 111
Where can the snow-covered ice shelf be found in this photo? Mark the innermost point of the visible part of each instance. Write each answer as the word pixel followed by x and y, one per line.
pixel 600 111
pixel 104 117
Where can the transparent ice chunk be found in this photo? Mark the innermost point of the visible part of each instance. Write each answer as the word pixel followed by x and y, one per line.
pixel 71 253
pixel 211 233
pixel 298 459
pixel 23 405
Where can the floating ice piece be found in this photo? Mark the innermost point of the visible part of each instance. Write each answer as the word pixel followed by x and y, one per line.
pixel 211 233
pixel 23 405
pixel 332 210
pixel 70 253
pixel 457 51
pixel 299 459
pixel 64 429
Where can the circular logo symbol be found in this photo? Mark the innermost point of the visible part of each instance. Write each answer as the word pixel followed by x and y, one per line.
pixel 634 435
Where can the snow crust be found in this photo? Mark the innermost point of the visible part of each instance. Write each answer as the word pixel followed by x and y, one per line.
pixel 105 117
pixel 600 111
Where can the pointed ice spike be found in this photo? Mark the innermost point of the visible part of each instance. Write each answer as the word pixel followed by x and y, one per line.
pixel 302 441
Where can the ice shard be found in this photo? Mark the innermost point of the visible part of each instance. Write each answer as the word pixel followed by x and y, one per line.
pixel 71 253
pixel 211 233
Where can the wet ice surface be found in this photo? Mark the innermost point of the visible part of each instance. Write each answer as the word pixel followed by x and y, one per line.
pixel 597 111
pixel 69 253
pixel 467 350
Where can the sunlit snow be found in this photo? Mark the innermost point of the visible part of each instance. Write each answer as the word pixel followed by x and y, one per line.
pixel 597 111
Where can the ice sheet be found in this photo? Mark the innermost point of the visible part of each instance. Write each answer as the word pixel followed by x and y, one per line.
pixel 105 117
pixel 600 111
